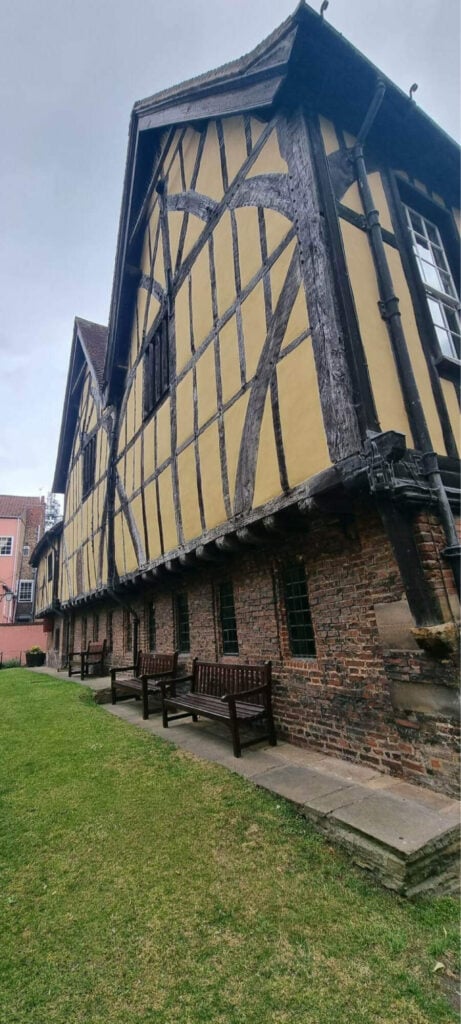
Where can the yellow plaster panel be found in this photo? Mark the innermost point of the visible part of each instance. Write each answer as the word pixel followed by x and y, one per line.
pixel 138 386
pixel 118 544
pixel 150 500
pixel 170 535
pixel 379 196
pixel 229 359
pixel 202 312
pixel 127 480
pixel 185 409
pixel 349 139
pixel 189 151
pixel 148 436
pixel 277 227
pixel 352 199
pixel 224 263
pixel 131 561
pixel 303 433
pixel 267 482
pixel 269 160
pixel 195 227
pixel 188 494
pixel 153 229
pixel 210 465
pixel 104 561
pixel 136 510
pixel 233 425
pixel 163 424
pixel 415 349
pixel 91 568
pixel 152 311
pixel 137 464
pixel 146 252
pixel 457 218
pixel 93 416
pixel 257 127
pixel 182 326
pixel 159 264
pixel 254 328
pixel 381 365
pixel 174 175
pixel 209 181
pixel 206 386
pixel 175 219
pixel 130 413
pixel 248 242
pixel 235 144
pixel 451 400
pixel 298 321
pixel 170 155
pixel 140 314
pixel 279 271
pixel 330 139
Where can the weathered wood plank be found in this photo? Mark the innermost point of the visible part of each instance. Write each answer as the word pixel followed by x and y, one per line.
pixel 335 387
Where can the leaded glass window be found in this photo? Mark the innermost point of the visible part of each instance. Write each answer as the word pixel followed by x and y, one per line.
pixel 300 631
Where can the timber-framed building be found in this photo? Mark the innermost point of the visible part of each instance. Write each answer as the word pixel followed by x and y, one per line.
pixel 259 454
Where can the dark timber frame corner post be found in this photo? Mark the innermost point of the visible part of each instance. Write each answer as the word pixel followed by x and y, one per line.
pixel 335 385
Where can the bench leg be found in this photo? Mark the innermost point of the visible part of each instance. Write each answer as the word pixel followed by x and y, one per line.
pixel 195 718
pixel 234 728
pixel 164 715
pixel 113 695
pixel 270 722
pixel 145 699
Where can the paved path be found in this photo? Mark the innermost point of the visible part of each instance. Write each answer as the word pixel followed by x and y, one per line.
pixel 406 835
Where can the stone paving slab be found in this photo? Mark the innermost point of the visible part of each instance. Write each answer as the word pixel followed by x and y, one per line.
pixel 393 820
pixel 406 835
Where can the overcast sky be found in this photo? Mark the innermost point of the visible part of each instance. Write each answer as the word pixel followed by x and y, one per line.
pixel 70 71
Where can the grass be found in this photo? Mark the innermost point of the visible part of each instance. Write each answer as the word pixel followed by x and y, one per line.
pixel 142 885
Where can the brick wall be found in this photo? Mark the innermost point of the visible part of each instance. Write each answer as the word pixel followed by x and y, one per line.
pixel 351 700
pixel 16 640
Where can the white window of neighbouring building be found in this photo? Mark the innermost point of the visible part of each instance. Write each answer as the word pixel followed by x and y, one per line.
pixel 6 545
pixel 26 590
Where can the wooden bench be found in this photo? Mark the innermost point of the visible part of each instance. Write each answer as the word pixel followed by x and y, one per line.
pixel 94 657
pixel 152 674
pixel 229 693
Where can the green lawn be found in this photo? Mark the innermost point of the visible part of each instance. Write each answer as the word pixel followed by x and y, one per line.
pixel 141 885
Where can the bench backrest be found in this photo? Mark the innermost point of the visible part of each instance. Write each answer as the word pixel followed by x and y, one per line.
pixel 150 663
pixel 216 680
pixel 96 650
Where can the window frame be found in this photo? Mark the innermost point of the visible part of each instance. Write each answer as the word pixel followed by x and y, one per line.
pixel 227 618
pixel 6 554
pixel 404 195
pixel 25 600
pixel 182 622
pixel 156 367
pixel 446 299
pixel 301 647
pixel 89 464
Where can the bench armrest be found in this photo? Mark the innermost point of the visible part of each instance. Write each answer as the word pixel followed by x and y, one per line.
pixel 75 654
pixel 242 694
pixel 121 668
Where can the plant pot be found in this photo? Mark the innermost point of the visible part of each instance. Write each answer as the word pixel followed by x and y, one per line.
pixel 35 659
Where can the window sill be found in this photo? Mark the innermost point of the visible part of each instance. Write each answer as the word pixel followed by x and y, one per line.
pixel 448 368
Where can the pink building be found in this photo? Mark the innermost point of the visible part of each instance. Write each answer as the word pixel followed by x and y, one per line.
pixel 22 523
